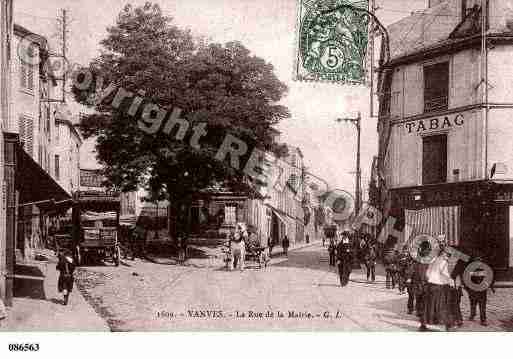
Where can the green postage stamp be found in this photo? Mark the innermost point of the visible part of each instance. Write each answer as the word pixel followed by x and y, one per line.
pixel 331 41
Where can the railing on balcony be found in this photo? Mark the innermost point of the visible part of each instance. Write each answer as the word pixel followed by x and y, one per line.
pixel 436 103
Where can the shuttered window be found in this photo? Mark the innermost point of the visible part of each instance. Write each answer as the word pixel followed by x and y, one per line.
pixel 436 87
pixel 26 130
pixel 434 159
pixel 26 76
pixel 57 168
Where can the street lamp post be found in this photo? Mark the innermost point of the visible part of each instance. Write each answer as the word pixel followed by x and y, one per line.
pixel 356 121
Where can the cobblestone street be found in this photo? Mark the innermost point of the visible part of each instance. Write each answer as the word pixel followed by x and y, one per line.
pixel 145 296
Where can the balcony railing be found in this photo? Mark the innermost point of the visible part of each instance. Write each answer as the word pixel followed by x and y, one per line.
pixel 436 104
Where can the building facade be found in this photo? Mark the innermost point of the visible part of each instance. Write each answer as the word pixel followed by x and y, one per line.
pixel 446 104
pixel 65 152
pixel 6 248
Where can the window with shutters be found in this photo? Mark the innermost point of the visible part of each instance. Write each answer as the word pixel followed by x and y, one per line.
pixel 48 117
pixel 436 87
pixel 26 130
pixel 434 159
pixel 26 76
pixel 57 168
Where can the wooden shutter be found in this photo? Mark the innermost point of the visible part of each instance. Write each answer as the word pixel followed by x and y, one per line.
pixel 436 87
pixel 57 169
pixel 30 77
pixel 23 75
pixel 434 159
pixel 29 136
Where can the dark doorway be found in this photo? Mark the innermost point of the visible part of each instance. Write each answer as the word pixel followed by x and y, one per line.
pixel 485 232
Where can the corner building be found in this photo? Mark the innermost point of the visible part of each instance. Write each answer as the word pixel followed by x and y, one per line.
pixel 445 127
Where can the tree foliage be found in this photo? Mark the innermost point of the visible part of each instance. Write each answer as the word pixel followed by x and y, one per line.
pixel 222 85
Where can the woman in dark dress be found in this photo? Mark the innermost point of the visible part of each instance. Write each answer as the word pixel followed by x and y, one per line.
pixel 66 268
pixel 285 244
pixel 438 308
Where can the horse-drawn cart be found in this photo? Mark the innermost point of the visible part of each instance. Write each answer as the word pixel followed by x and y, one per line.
pixel 100 242
pixel 256 254
pixel 95 222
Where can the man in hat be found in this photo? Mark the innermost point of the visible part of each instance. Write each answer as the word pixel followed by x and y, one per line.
pixel 345 259
pixel 478 298
pixel 416 280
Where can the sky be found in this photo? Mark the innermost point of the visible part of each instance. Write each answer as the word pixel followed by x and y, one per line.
pixel 267 28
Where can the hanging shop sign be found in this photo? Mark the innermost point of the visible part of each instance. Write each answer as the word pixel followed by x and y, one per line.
pixel 435 124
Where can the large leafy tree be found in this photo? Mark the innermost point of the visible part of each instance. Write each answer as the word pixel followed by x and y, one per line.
pixel 221 85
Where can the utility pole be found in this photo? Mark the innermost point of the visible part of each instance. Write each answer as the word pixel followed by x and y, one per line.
pixel 372 9
pixel 357 122
pixel 64 45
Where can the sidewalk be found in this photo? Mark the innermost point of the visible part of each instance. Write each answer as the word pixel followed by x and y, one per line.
pixel 38 304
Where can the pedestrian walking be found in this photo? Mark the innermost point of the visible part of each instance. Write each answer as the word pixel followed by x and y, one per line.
pixel 285 244
pixel 270 244
pixel 478 298
pixel 403 261
pixel 370 261
pixel 307 239
pixel 238 248
pixel 344 258
pixel 332 247
pixel 457 291
pixel 416 286
pixel 390 263
pixel 182 249
pixel 66 268
pixel 437 309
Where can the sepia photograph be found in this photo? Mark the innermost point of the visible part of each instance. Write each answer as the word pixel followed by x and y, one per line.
pixel 235 166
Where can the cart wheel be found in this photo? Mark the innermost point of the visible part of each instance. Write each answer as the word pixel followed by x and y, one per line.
pixel 78 256
pixel 117 256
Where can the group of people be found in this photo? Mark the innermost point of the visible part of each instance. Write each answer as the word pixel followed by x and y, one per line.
pixel 343 250
pixel 435 289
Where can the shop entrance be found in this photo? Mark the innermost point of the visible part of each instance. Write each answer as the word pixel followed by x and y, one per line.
pixel 485 232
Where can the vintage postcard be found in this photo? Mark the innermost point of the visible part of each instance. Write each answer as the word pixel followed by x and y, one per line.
pixel 270 165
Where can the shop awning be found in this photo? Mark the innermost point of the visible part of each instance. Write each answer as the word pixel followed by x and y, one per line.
pixel 36 185
pixel 277 213
pixel 434 221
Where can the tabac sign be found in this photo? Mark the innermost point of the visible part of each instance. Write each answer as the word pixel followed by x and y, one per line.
pixel 435 124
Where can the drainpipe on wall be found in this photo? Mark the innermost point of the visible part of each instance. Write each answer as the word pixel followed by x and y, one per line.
pixel 484 74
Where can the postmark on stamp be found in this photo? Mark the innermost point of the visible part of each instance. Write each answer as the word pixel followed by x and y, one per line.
pixel 331 41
